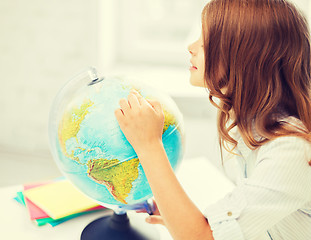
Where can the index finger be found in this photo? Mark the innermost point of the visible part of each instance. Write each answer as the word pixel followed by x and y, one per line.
pixel 139 97
pixel 156 105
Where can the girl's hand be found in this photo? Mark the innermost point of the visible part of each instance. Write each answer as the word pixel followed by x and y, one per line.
pixel 156 218
pixel 141 121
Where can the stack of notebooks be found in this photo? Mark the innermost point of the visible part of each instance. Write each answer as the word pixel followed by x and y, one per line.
pixel 55 202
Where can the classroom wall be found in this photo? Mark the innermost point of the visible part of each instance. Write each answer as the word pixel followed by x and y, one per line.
pixel 42 44
pixel 304 6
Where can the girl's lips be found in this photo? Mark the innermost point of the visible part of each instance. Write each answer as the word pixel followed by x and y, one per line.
pixel 193 68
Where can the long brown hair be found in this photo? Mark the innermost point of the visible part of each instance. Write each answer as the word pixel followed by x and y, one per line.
pixel 257 63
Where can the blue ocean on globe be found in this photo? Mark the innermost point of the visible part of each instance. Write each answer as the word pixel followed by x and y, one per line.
pixel 90 148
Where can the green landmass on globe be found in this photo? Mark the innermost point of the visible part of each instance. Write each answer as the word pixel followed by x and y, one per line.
pixel 70 126
pixel 116 176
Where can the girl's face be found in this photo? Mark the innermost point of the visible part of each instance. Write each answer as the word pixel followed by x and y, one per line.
pixel 197 67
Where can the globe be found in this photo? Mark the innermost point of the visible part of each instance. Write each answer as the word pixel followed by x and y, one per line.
pixel 91 150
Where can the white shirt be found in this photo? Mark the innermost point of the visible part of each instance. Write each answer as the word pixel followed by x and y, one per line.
pixel 272 197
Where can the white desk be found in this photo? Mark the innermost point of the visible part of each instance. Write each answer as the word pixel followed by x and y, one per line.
pixel 198 177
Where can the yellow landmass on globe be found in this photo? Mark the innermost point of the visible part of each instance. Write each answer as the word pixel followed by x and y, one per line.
pixel 117 177
pixel 169 120
pixel 70 125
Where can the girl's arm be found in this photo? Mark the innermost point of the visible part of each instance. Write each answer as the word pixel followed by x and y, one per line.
pixel 142 124
pixel 182 218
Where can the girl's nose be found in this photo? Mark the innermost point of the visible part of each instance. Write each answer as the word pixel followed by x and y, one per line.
pixel 190 49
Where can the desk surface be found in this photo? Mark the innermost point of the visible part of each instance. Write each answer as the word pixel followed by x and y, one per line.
pixel 201 180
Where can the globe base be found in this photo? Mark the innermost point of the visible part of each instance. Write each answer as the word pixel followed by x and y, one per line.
pixel 118 227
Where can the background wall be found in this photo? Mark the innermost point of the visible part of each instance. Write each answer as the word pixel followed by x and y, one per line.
pixel 42 44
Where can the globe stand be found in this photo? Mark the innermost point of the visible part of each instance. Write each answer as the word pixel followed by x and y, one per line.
pixel 118 227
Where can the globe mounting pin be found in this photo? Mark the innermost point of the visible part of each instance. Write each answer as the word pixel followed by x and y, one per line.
pixel 93 75
pixel 97 80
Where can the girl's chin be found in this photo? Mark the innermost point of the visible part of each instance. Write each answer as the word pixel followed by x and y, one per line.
pixel 196 82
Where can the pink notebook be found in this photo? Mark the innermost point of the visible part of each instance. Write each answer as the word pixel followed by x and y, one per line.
pixel 34 211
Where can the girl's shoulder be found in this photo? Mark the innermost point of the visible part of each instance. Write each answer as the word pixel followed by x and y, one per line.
pixel 293 121
pixel 287 147
pixel 280 145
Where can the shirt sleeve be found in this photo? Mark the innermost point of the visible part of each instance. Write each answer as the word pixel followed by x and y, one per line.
pixel 279 185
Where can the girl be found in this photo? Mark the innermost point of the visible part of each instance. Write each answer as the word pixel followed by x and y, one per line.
pixel 254 57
